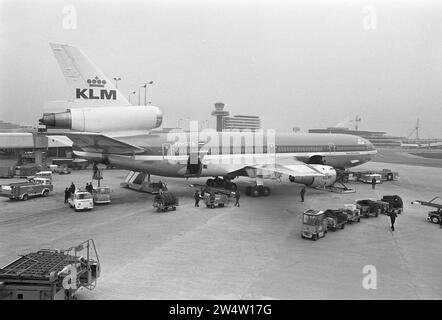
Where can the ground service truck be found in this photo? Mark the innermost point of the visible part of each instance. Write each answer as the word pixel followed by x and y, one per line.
pixel 25 190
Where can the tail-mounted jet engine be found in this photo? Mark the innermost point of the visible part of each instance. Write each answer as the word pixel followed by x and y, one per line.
pixel 326 180
pixel 105 119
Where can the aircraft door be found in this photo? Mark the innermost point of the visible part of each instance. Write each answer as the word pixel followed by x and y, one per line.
pixel 166 149
pixel 194 165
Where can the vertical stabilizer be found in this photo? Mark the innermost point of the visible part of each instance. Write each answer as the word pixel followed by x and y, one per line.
pixel 88 86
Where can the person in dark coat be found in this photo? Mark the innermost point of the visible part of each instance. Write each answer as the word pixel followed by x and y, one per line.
pixel 393 217
pixel 302 194
pixel 373 183
pixel 196 196
pixel 72 188
pixel 67 194
pixel 237 196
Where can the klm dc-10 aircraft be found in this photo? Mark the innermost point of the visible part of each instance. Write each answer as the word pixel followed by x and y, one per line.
pixel 108 129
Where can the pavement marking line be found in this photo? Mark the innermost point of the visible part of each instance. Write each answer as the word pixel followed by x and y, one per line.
pixel 405 263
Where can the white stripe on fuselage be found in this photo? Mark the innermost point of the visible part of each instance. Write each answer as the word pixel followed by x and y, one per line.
pixel 214 157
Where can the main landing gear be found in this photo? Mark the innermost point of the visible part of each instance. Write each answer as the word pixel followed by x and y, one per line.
pixel 221 183
pixel 257 191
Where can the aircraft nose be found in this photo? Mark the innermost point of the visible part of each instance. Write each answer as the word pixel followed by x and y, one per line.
pixel 370 145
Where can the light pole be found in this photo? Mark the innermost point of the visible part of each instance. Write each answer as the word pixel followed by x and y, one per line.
pixel 139 95
pixel 131 93
pixel 145 90
pixel 116 82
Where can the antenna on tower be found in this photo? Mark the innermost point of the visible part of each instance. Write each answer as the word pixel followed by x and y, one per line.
pixel 415 130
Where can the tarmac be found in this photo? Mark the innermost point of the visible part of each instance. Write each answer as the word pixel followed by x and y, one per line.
pixel 252 252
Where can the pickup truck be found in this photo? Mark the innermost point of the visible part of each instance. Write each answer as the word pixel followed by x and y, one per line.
pixel 24 190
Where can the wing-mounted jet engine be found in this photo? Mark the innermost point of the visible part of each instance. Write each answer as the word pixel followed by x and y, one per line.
pixel 326 180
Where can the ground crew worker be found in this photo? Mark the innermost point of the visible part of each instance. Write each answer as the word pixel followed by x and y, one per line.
pixel 237 196
pixel 393 217
pixel 72 188
pixel 95 169
pixel 373 183
pixel 196 196
pixel 67 194
pixel 440 220
pixel 91 188
pixel 302 194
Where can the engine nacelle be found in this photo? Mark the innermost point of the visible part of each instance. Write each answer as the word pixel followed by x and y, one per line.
pixel 323 181
pixel 104 119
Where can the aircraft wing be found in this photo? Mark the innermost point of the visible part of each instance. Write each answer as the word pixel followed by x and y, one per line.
pixel 287 166
pixel 98 143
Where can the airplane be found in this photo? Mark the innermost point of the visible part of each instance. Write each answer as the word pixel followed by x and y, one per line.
pixel 123 141
pixel 428 145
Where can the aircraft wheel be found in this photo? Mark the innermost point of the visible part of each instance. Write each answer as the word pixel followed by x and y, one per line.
pixel 209 182
pixel 217 182
pixel 224 184
pixel 266 191
pixel 248 191
pixel 434 219
pixel 255 192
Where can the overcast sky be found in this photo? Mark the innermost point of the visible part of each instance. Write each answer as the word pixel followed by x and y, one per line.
pixel 293 63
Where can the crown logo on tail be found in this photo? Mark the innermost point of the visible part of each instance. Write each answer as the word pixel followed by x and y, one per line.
pixel 96 82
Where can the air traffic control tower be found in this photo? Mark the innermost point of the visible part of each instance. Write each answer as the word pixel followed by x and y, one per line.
pixel 219 113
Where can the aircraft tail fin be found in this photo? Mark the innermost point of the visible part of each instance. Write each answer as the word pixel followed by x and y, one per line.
pixel 89 87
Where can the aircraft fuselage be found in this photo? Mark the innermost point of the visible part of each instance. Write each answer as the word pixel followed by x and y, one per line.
pixel 165 155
